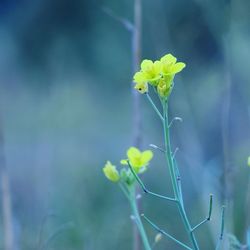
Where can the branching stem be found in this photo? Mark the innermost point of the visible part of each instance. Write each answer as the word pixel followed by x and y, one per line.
pixel 209 214
pixel 146 191
pixel 165 233
pixel 154 107
pixel 124 190
pixel 172 171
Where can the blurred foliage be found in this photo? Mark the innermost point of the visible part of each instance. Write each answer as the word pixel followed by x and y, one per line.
pixel 65 103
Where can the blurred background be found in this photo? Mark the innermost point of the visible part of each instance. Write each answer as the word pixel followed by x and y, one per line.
pixel 66 107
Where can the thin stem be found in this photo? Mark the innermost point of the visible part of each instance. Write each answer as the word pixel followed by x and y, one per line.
pixel 221 228
pixel 199 224
pixel 209 214
pixel 172 170
pixel 154 107
pixel 126 23
pixel 165 233
pixel 124 190
pixel 144 187
pixel 222 222
pixel 178 176
pixel 168 152
pixel 156 147
pixel 175 152
pixel 138 221
pixel 210 207
pixel 173 120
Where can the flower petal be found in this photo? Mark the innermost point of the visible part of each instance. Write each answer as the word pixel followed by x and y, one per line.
pixel 146 64
pixel 168 59
pixel 157 66
pixel 177 67
pixel 146 157
pixel 133 152
pixel 139 77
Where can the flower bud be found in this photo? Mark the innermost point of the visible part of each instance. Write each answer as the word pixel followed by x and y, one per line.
pixel 158 237
pixel 111 172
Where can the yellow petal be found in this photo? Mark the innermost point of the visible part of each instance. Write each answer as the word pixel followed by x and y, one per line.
pixel 146 65
pixel 133 152
pixel 134 156
pixel 139 77
pixel 177 67
pixel 168 59
pixel 157 66
pixel 146 157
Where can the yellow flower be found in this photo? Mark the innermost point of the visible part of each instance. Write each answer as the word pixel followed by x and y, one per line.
pixel 138 159
pixel 151 71
pixel 159 74
pixel 170 66
pixel 111 172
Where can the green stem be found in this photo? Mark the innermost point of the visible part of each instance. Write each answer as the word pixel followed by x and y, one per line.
pixel 218 246
pixel 146 191
pixel 168 152
pixel 138 220
pixel 165 233
pixel 154 107
pixel 124 190
pixel 209 214
pixel 178 181
pixel 173 177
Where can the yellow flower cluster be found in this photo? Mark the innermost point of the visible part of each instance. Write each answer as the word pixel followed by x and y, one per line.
pixel 159 74
pixel 137 159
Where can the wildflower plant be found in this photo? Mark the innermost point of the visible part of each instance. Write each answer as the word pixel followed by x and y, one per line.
pixel 158 75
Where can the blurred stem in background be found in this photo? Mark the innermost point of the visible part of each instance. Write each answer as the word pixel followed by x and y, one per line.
pixel 137 136
pixel 228 170
pixel 135 30
pixel 225 43
pixel 6 197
